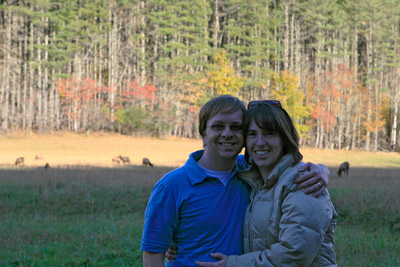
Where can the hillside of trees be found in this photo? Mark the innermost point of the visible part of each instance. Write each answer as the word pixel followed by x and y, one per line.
pixel 145 67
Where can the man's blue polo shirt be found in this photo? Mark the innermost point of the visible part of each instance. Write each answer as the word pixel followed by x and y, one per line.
pixel 197 213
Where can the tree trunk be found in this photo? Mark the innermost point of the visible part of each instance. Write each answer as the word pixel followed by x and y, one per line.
pixel 31 81
pixel 216 26
pixel 39 91
pixel 395 103
pixel 5 86
pixel 286 30
pixel 112 65
pixel 46 77
pixel 25 77
pixel 369 60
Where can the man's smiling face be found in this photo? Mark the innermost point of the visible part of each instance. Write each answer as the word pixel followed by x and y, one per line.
pixel 223 139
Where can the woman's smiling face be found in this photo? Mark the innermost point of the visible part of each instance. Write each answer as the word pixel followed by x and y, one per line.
pixel 265 147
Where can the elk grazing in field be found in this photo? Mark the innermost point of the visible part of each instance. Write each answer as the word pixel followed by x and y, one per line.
pixel 115 160
pixel 20 161
pixel 146 162
pixel 125 159
pixel 344 168
pixel 47 166
pixel 38 156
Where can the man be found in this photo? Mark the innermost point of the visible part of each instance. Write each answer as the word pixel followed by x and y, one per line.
pixel 200 207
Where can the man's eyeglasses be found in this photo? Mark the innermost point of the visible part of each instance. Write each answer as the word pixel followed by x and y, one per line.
pixel 219 127
pixel 271 102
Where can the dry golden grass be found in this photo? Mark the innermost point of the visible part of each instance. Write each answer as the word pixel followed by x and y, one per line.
pixel 94 150
pixel 333 158
pixel 97 149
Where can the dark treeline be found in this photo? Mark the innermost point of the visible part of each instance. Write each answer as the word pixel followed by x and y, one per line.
pixel 145 67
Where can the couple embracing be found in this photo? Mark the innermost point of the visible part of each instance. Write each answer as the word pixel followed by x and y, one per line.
pixel 266 208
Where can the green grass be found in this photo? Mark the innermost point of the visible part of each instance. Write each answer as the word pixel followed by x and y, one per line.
pixel 77 240
pixel 362 246
pixel 94 216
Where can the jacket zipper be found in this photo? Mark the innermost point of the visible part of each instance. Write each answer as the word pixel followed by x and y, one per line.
pixel 252 198
pixel 251 213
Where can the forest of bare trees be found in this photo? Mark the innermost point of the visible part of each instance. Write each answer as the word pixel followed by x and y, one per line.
pixel 145 67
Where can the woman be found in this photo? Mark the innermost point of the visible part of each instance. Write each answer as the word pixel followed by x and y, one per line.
pixel 282 226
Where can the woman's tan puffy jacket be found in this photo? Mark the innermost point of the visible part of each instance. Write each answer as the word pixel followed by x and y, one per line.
pixel 284 226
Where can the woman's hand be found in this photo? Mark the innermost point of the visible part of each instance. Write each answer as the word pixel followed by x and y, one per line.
pixel 315 180
pixel 170 254
pixel 219 256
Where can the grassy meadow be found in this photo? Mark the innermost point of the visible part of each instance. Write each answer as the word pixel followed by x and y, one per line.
pixel 85 211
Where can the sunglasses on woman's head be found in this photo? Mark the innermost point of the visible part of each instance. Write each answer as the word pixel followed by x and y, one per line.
pixel 271 102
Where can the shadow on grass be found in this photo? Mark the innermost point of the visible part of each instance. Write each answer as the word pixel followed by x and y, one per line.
pixel 367 172
pixel 368 197
pixel 113 176
pixel 73 190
